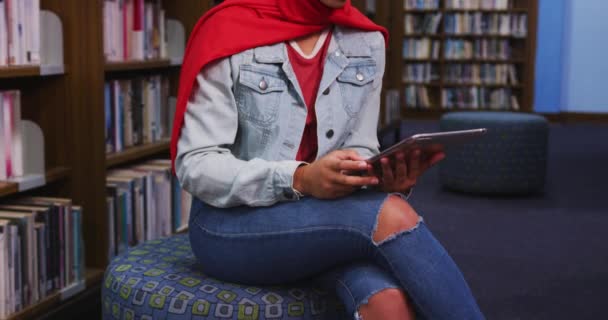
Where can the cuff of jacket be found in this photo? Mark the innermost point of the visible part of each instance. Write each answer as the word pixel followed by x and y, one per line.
pixel 283 180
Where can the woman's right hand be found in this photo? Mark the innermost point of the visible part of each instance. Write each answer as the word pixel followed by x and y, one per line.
pixel 327 178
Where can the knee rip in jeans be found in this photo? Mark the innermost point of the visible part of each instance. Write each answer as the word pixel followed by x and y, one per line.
pixel 394 295
pixel 397 231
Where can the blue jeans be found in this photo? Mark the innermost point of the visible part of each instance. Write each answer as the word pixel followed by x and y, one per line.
pixel 330 240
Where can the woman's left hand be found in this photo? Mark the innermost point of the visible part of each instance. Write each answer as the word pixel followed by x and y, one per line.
pixel 403 173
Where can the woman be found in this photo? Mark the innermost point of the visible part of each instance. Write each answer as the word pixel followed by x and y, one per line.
pixel 277 109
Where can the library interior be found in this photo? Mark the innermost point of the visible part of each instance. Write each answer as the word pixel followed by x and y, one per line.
pixel 121 197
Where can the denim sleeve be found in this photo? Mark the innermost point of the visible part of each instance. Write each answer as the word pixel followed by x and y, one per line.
pixel 364 137
pixel 205 165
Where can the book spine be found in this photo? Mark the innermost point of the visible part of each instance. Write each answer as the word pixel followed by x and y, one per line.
pixel 3 138
pixel 117 116
pixel 138 29
pixel 18 280
pixel 8 132
pixel 3 34
pixel 125 31
pixel 3 272
pixel 62 280
pixel 17 144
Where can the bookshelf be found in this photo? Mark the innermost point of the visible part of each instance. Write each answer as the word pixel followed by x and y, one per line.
pixel 136 153
pixel 434 66
pixel 67 102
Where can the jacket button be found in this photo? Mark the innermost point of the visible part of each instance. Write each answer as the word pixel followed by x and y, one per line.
pixel 263 85
pixel 326 92
pixel 360 77
pixel 329 134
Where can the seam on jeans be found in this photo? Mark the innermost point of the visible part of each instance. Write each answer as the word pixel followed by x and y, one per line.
pixel 375 228
pixel 350 293
pixel 291 231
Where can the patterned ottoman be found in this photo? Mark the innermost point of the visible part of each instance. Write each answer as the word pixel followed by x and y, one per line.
pixel 510 159
pixel 159 280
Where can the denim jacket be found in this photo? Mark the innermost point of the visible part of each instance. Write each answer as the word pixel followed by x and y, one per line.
pixel 244 122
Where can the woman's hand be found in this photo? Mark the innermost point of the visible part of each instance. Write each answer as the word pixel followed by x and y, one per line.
pixel 327 178
pixel 403 173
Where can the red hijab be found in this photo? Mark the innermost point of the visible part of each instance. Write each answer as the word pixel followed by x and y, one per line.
pixel 238 25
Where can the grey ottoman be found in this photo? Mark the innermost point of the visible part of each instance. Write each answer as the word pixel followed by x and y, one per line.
pixel 510 159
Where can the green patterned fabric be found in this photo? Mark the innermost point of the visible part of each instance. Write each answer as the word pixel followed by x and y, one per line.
pixel 160 280
pixel 510 159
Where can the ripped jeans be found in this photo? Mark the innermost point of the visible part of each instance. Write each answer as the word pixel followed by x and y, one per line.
pixel 330 241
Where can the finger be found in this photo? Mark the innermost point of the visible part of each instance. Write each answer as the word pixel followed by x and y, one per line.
pixel 435 159
pixel 350 165
pixel 414 165
pixel 356 181
pixel 387 171
pixel 350 155
pixel 400 167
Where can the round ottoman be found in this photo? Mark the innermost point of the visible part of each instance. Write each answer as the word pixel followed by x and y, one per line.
pixel 510 159
pixel 159 280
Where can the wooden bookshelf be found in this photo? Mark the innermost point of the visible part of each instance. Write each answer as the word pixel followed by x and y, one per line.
pixel 69 108
pixel 52 175
pixel 26 71
pixel 93 277
pixel 138 65
pixel 136 153
pixel 522 55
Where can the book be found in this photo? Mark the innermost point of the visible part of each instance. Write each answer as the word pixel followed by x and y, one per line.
pixel 28 258
pixel 4 269
pixel 3 35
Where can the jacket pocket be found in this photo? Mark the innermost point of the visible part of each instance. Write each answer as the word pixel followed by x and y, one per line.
pixel 258 94
pixel 356 82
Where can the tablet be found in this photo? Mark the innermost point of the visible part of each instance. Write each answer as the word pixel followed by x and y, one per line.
pixel 429 143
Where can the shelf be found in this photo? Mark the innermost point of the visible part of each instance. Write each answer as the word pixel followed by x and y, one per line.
pixel 484 60
pixel 30 71
pixel 446 10
pixel 422 60
pixel 422 10
pixel 513 10
pixel 52 175
pixel 93 277
pixel 487 85
pixel 423 35
pixel 135 153
pixel 427 84
pixel 495 36
pixel 141 65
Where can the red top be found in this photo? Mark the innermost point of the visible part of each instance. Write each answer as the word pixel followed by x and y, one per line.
pixel 309 73
pixel 218 34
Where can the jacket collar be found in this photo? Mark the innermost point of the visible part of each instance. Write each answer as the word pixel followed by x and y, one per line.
pixel 350 42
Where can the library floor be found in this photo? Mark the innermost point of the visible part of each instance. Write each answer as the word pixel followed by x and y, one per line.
pixel 543 257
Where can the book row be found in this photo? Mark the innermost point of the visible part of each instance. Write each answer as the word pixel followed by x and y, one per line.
pixel 478 98
pixel 478 23
pixel 41 250
pixel 19 32
pixel 144 202
pixel 421 24
pixel 417 97
pixel 134 30
pixel 137 112
pixel 11 146
pixel 477 49
pixel 496 74
pixel 421 48
pixel 420 72
pixel 478 4
pixel 420 4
